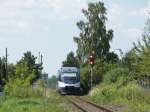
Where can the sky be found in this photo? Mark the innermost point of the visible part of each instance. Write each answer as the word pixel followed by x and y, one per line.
pixel 48 26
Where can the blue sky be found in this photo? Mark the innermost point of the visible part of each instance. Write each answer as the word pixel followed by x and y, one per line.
pixel 49 26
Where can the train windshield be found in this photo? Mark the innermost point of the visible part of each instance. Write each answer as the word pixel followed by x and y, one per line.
pixel 69 77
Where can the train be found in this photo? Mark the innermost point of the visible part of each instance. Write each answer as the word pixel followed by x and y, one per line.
pixel 69 80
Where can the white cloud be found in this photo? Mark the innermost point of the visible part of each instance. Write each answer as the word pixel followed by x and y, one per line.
pixel 61 8
pixel 113 25
pixel 145 11
pixel 114 12
pixel 140 12
pixel 134 33
pixel 67 9
pixel 18 16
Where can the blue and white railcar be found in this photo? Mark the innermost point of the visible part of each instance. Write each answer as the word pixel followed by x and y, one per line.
pixel 69 80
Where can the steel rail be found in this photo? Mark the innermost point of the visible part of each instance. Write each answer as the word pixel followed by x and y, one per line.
pixel 74 101
pixel 95 105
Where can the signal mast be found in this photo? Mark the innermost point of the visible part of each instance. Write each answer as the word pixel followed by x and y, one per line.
pixel 91 61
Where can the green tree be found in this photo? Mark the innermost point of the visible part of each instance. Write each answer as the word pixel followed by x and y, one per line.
pixel 85 78
pixel 94 37
pixel 70 61
pixel 3 75
pixel 52 82
pixel 142 50
pixel 26 67
pixel 138 58
pixel 2 72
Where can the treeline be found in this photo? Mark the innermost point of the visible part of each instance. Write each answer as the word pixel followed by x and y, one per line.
pixel 26 70
pixel 96 38
pixel 52 82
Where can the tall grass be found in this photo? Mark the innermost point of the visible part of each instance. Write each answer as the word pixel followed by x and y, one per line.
pixel 29 105
pixel 21 89
pixel 32 103
pixel 20 96
pixel 116 89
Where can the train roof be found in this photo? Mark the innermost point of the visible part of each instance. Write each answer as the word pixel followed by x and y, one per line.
pixel 70 69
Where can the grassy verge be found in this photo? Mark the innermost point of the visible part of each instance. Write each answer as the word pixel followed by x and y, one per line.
pixel 32 104
pixel 119 90
pixel 132 98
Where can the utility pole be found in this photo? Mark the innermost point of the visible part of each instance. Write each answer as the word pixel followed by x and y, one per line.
pixel 91 77
pixel 41 59
pixel 6 65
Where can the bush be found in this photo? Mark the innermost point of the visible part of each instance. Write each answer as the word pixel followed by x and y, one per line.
pixel 104 93
pixel 16 88
pixel 85 79
pixel 108 91
pixel 137 97
pixel 119 75
pixel 22 88
pixel 99 69
pixel 134 92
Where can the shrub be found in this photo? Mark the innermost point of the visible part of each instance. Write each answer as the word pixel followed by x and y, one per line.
pixel 118 75
pixel 85 79
pixel 22 88
pixel 134 92
pixel 104 93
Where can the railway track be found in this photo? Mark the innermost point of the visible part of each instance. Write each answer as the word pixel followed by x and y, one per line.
pixel 86 106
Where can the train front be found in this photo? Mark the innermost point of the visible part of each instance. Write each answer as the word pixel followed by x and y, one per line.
pixel 69 80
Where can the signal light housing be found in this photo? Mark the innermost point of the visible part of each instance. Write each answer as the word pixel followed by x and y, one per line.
pixel 91 59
